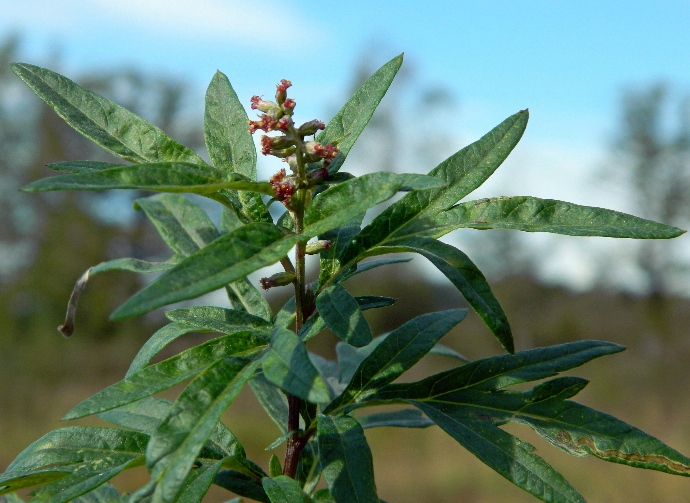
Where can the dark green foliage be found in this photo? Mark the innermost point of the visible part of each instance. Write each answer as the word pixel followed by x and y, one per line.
pixel 183 444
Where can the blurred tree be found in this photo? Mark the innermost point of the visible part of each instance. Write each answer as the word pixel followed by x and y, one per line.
pixel 652 153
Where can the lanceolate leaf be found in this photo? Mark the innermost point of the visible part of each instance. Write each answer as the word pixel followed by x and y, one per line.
pixel 272 400
pixel 404 418
pixel 355 114
pixel 229 144
pixel 283 489
pixel 109 125
pixel 286 364
pixel 339 238
pixel 467 278
pixel 341 313
pixel 547 215
pixel 397 353
pixel 508 455
pixel 500 371
pixel 160 339
pixel 218 319
pixel 346 460
pixel 343 202
pixel 81 457
pixel 177 441
pixel 168 373
pixel 227 259
pixel 241 484
pixel 463 172
pixel 186 228
pixel 81 166
pixel 158 176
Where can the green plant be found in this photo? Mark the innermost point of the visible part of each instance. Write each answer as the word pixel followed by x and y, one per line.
pixel 183 444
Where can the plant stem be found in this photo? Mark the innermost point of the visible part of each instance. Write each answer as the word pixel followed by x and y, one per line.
pixel 295 443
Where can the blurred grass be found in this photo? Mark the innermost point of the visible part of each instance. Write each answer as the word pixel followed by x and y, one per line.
pixel 647 386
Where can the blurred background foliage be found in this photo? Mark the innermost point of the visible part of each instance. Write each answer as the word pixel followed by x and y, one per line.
pixel 47 241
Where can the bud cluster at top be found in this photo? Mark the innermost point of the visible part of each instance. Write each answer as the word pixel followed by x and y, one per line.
pixel 289 144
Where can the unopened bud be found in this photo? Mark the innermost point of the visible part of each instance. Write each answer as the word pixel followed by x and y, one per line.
pixel 265 106
pixel 318 246
pixel 317 176
pixel 311 127
pixel 281 91
pixel 278 279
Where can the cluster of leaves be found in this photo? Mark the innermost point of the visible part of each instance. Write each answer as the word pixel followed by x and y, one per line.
pixel 183 443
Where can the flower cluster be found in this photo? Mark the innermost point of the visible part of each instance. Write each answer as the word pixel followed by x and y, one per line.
pixel 289 145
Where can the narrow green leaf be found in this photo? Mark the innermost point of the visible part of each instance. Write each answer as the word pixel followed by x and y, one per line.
pixel 198 482
pixel 509 456
pixel 81 166
pixel 80 458
pixel 229 144
pixel 274 468
pixel 414 181
pixel 349 122
pixel 346 460
pixel 241 484
pixel 531 214
pixel 109 125
pixel 79 444
pixel 160 339
pixel 283 489
pixel 156 176
pixel 272 400
pixel 103 494
pixel 341 313
pixel 287 365
pixel 467 278
pixel 397 353
pixel 183 225
pixel 280 440
pixel 227 259
pixel 404 418
pixel 368 265
pixel 329 265
pixel 143 415
pixel 218 319
pixel 462 172
pixel 154 378
pixel 177 441
pixel 341 203
pixel 500 371
pixel 186 228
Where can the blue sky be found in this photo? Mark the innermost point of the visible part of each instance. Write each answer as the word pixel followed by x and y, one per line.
pixel 567 61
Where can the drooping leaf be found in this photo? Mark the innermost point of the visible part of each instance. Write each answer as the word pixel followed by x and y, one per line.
pixel 287 365
pixel 341 313
pixel 283 489
pixel 349 122
pixel 227 259
pixel 177 441
pixel 109 125
pixel 134 265
pixel 154 378
pixel 463 172
pixel 198 482
pixel 404 418
pixel 368 265
pixel 531 214
pixel 396 354
pixel 346 460
pixel 467 278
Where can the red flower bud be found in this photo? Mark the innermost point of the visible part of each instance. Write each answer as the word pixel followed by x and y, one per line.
pixel 278 279
pixel 311 127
